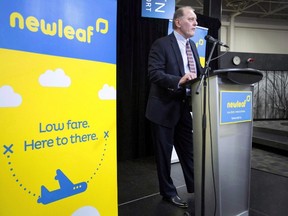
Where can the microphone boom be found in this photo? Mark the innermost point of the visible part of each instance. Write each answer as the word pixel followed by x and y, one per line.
pixel 209 38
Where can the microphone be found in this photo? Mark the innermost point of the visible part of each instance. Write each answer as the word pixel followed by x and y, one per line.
pixel 213 40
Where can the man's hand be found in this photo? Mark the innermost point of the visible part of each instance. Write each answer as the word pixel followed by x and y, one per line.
pixel 187 77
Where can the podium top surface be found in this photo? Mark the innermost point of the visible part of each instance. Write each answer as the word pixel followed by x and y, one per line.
pixel 240 75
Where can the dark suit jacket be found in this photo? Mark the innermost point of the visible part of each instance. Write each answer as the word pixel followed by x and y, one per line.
pixel 165 69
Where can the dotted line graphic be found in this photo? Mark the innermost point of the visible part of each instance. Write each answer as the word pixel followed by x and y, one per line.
pixel 26 189
pixel 17 180
pixel 99 164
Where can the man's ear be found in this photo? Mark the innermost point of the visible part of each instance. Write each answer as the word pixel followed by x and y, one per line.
pixel 177 23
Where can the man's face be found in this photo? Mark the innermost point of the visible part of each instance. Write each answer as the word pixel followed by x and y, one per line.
pixel 186 25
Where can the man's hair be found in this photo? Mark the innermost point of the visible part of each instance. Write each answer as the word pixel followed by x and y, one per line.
pixel 180 13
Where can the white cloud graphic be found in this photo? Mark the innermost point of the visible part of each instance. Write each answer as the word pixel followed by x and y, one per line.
pixel 56 78
pixel 107 93
pixel 8 98
pixel 86 211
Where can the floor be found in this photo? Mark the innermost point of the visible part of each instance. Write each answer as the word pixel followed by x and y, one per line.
pixel 138 193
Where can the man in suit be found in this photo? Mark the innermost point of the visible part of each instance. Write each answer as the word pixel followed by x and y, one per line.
pixel 168 107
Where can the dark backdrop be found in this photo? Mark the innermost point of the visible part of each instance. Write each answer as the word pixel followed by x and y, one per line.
pixel 134 38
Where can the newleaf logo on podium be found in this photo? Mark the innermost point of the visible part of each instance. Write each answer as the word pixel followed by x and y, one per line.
pixel 235 106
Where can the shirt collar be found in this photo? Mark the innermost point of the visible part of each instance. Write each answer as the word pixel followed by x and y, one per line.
pixel 180 38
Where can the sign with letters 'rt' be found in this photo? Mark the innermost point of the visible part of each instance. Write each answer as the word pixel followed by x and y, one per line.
pixel 235 106
pixel 162 9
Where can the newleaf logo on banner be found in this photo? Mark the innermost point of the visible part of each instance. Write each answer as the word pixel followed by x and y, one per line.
pixel 162 9
pixel 60 35
pixel 199 40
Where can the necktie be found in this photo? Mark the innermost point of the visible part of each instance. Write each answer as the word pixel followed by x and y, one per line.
pixel 191 62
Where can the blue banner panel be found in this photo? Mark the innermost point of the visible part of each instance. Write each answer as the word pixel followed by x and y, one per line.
pixel 199 39
pixel 60 28
pixel 235 106
pixel 162 9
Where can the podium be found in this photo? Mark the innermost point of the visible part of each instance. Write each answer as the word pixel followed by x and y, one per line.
pixel 222 182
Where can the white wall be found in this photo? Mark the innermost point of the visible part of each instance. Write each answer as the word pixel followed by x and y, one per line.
pixel 255 35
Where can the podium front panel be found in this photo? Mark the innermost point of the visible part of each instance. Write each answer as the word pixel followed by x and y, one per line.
pixel 227 153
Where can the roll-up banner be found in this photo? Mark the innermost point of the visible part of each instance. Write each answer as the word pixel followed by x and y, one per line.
pixel 58 108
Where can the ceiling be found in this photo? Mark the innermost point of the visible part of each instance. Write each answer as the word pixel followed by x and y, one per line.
pixel 270 9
